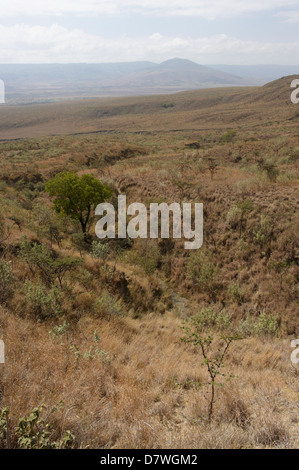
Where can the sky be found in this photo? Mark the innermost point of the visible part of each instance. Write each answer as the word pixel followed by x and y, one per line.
pixel 239 32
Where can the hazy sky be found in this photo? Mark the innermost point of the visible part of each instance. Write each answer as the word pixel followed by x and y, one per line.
pixel 206 31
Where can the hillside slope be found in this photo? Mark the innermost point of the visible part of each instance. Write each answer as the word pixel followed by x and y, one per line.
pixel 199 109
pixel 95 328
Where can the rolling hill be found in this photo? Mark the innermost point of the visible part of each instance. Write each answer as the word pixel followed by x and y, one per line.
pixel 56 82
pixel 196 109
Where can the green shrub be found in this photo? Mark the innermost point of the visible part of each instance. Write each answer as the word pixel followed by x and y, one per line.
pixel 109 305
pixel 263 235
pixel 168 105
pixel 100 250
pixel 270 168
pixel 148 258
pixel 59 330
pixel 236 293
pixel 203 271
pixel 209 318
pixel 264 325
pixel 238 214
pixel 41 302
pixel 243 249
pixel 150 262
pixel 33 431
pixel 228 136
pixel 233 217
pixel 288 176
pixel 4 425
pixel 6 281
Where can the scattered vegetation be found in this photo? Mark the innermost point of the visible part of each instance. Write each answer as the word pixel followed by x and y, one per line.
pixel 33 431
pixel 97 324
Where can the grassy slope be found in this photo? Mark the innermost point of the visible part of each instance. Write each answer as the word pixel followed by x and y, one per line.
pixel 202 109
pixel 146 388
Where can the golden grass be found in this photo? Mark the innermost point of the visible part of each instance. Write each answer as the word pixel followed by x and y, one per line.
pixel 129 381
pixel 142 393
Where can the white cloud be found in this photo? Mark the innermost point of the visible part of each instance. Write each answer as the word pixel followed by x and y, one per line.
pixel 209 9
pixel 290 16
pixel 36 44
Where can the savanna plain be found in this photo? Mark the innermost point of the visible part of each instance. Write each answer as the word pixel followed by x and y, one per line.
pixel 141 343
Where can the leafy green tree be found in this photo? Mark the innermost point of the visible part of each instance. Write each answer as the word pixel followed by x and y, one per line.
pixel 77 195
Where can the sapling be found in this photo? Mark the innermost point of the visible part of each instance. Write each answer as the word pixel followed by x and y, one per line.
pixel 198 333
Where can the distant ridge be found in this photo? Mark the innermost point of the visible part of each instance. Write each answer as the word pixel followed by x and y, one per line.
pixel 223 108
pixel 42 83
pixel 56 82
pixel 261 74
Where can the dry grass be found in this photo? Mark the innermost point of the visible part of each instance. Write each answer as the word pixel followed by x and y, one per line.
pixel 142 393
pixel 126 379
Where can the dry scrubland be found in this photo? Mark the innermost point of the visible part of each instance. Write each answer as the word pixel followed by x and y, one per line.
pixel 104 343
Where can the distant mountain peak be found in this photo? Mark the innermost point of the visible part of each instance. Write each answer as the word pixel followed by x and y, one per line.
pixel 177 62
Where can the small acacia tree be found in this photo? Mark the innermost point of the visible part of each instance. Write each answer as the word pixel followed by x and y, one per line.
pixel 49 265
pixel 214 345
pixel 212 167
pixel 77 195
